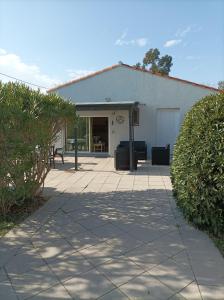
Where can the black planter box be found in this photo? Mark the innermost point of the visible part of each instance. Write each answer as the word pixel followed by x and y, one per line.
pixel 161 155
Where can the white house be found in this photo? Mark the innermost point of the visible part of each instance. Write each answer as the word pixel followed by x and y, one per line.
pixel 110 101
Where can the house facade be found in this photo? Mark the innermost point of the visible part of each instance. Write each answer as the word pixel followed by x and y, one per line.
pixel 110 101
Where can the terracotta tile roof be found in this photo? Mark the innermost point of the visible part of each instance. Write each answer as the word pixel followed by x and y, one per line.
pixel 133 68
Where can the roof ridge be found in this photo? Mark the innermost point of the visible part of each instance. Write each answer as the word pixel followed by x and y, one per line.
pixel 133 68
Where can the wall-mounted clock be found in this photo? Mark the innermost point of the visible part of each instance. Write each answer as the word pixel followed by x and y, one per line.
pixel 120 119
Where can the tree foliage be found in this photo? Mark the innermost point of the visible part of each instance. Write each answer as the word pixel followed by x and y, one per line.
pixel 221 85
pixel 29 124
pixel 198 165
pixel 156 64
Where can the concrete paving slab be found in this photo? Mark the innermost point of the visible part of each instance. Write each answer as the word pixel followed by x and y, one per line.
pixel 120 270
pixel 55 248
pixel 107 231
pixel 84 240
pixel 191 292
pixel 3 276
pixel 92 222
pixel 169 244
pixel 146 256
pixel 177 297
pixel 208 272
pixel 212 292
pixel 31 283
pixel 100 253
pixel 88 286
pixel 56 292
pixel 172 275
pixel 182 258
pixel 146 287
pixel 23 262
pixel 69 266
pixel 115 294
pixel 124 243
pixel 6 291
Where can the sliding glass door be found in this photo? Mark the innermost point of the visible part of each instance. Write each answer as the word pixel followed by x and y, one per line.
pixel 92 135
pixel 83 134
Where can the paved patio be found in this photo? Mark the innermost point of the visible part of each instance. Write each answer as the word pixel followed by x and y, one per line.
pixel 109 235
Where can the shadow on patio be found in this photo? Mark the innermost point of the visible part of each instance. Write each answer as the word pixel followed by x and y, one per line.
pixel 92 240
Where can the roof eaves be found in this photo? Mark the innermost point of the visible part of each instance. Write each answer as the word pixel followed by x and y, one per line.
pixel 83 78
pixel 106 105
pixel 172 78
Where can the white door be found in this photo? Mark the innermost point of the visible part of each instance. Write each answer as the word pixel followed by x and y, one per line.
pixel 167 126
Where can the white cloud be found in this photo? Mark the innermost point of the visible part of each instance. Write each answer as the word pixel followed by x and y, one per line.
pixel 121 42
pixel 124 34
pixel 183 32
pixel 2 51
pixel 12 65
pixel 191 28
pixel 75 74
pixel 181 36
pixel 140 42
pixel 172 43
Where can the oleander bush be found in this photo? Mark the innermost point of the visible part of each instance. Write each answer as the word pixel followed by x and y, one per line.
pixel 197 170
pixel 29 124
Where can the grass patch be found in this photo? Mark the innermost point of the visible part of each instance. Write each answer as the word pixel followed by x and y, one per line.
pixel 19 213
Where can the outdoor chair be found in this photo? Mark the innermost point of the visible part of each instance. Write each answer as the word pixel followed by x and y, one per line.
pixel 55 152
pixel 139 146
pixel 161 155
pixel 122 158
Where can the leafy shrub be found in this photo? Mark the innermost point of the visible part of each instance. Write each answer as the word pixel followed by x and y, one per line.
pixel 197 170
pixel 29 124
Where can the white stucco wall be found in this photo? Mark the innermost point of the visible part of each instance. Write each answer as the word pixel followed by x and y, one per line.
pixel 125 84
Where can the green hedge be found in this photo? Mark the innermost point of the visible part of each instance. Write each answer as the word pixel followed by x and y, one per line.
pixel 29 124
pixel 197 170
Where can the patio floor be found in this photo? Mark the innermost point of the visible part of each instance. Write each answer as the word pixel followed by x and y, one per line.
pixel 109 235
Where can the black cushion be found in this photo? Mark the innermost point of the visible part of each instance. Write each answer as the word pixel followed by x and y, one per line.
pixel 139 146
pixel 124 144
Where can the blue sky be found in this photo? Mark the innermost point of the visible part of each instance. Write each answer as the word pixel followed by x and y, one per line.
pixel 48 42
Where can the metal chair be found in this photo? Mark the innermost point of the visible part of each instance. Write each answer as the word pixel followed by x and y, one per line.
pixel 55 152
